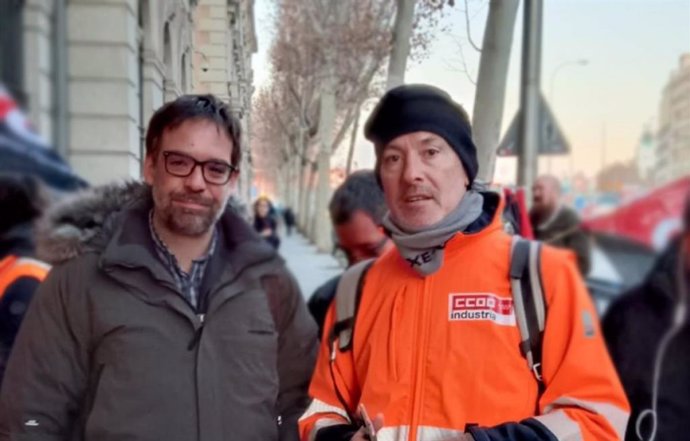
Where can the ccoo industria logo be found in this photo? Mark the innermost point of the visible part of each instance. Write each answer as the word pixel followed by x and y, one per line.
pixel 481 306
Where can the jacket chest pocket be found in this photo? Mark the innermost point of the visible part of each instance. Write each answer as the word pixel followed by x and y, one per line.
pixel 385 340
pixel 502 379
pixel 246 335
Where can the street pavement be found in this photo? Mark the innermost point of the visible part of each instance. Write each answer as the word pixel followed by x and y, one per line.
pixel 310 267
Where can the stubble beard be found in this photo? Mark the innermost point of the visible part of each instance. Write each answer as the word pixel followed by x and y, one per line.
pixel 189 222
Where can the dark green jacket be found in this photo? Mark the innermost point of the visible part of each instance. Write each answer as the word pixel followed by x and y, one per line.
pixel 564 231
pixel 110 350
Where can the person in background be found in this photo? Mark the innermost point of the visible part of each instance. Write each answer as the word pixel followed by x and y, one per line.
pixel 265 222
pixel 434 349
pixel 648 335
pixel 21 203
pixel 289 217
pixel 357 209
pixel 165 316
pixel 557 224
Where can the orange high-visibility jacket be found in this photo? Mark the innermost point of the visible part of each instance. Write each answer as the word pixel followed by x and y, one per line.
pixel 439 356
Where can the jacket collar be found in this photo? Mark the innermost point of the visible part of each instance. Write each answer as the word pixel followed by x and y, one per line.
pixel 111 222
pixel 490 221
pixel 130 256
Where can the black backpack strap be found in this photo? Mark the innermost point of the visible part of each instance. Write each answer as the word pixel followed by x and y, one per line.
pixel 347 296
pixel 528 298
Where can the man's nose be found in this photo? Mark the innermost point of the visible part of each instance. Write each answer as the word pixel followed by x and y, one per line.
pixel 195 181
pixel 412 171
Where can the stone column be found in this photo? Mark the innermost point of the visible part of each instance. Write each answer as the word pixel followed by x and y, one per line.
pixel 104 81
pixel 212 38
pixel 38 64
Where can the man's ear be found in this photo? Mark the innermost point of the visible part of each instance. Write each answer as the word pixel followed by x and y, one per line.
pixel 149 169
pixel 234 177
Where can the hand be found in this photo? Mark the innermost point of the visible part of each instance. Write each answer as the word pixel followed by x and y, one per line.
pixel 361 433
pixel 267 232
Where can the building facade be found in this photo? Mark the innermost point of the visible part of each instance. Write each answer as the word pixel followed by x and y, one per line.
pixel 646 156
pixel 93 71
pixel 673 136
pixel 90 73
pixel 224 41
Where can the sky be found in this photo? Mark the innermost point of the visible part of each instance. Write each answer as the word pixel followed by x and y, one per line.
pixel 630 48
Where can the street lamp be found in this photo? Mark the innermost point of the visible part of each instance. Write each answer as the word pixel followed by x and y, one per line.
pixel 204 65
pixel 552 89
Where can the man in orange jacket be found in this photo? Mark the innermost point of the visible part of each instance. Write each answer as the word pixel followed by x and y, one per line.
pixel 435 350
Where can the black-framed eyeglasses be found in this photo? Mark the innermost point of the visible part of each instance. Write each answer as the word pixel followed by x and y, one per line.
pixel 214 171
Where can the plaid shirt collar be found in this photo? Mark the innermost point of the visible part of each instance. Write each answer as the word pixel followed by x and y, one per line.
pixel 188 283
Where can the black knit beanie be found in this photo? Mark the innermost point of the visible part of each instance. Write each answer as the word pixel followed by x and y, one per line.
pixel 419 107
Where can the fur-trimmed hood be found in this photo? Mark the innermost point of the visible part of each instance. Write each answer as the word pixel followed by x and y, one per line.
pixel 83 221
pixel 89 221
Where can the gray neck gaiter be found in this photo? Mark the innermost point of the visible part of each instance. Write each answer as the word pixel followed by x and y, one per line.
pixel 423 249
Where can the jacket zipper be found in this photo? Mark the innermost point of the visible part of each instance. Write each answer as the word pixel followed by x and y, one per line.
pixel 197 334
pixel 421 332
pixel 195 344
pixel 201 313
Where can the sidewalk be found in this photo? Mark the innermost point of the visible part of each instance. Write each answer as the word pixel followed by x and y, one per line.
pixel 310 267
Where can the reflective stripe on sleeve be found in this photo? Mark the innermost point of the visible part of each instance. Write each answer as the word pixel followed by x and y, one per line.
pixel 318 406
pixel 617 418
pixel 562 427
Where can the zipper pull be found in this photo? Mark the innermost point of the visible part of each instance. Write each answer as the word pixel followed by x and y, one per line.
pixel 197 333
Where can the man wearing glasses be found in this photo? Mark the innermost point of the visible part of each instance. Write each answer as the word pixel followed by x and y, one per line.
pixel 173 320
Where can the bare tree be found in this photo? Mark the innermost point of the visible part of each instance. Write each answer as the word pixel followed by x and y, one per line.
pixel 353 141
pixel 402 33
pixel 324 58
pixel 414 23
pixel 355 46
pixel 490 80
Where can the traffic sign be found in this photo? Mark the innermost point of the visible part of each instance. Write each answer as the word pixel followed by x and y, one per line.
pixel 552 141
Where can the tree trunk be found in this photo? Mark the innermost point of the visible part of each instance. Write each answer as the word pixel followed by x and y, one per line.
pixel 305 180
pixel 289 189
pixel 491 83
pixel 402 31
pixel 295 182
pixel 304 177
pixel 322 227
pixel 311 203
pixel 353 139
pixel 285 190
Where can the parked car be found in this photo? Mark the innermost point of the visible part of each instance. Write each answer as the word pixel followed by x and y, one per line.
pixel 618 264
